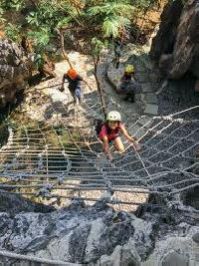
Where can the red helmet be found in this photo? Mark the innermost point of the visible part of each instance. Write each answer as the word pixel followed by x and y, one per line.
pixel 72 73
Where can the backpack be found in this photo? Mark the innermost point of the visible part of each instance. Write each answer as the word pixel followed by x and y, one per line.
pixel 98 125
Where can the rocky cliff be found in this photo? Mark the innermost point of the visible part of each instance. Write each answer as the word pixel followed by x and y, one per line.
pixel 99 235
pixel 176 46
pixel 14 71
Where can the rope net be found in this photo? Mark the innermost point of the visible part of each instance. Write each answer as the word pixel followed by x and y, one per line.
pixel 64 162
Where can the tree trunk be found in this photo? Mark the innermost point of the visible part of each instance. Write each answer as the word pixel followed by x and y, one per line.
pixel 63 48
pixel 100 91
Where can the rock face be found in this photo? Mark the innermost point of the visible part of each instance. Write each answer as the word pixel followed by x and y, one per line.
pixel 176 47
pixel 15 204
pixel 164 41
pixel 98 235
pixel 14 71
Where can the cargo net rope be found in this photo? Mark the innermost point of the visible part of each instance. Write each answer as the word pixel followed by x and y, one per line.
pixel 57 165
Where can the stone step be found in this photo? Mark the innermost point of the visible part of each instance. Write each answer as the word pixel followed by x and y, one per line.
pixel 151 109
pixel 151 98
pixel 147 87
pixel 142 97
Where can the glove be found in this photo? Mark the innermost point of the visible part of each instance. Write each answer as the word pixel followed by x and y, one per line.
pixel 61 89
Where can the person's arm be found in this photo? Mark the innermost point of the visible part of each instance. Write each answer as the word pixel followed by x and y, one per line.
pixel 63 81
pixel 81 79
pixel 133 140
pixel 106 148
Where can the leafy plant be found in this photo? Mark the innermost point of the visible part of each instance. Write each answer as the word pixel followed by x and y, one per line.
pixel 16 5
pixel 145 4
pixel 113 15
pixel 13 32
pixel 2 20
pixel 32 18
pixel 40 39
pixel 45 14
pixel 101 19
pixel 64 22
pixel 97 46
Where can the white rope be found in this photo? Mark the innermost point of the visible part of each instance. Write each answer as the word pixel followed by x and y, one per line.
pixel 54 166
pixel 20 257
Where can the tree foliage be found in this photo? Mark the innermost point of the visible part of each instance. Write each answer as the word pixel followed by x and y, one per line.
pixel 39 20
pixel 113 15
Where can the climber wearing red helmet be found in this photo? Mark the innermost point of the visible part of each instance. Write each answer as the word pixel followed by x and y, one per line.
pixel 74 84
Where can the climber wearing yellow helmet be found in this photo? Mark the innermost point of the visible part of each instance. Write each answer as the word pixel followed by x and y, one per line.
pixel 128 83
pixel 110 131
pixel 129 69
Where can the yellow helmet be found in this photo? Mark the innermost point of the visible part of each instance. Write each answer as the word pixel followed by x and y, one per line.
pixel 130 69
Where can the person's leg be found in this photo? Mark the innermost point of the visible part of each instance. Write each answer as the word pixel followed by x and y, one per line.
pixel 72 92
pixel 126 98
pixel 119 145
pixel 126 90
pixel 130 92
pixel 78 94
pixel 132 97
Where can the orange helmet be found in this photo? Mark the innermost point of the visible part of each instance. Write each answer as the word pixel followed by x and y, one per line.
pixel 72 73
